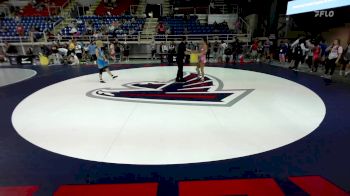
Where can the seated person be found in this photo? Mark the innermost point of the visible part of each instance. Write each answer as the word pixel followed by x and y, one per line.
pixel 56 58
pixel 73 59
pixel 161 28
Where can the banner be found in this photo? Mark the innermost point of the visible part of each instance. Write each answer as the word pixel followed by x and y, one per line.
pixel 302 6
pixel 219 18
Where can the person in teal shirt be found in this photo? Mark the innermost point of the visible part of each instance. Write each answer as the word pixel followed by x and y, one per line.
pixel 102 62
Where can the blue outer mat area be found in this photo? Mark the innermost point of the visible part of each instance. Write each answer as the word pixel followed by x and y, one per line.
pixel 324 152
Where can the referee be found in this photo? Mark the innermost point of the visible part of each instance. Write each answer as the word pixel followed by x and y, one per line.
pixel 180 60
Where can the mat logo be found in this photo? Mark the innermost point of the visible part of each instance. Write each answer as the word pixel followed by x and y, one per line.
pixel 192 92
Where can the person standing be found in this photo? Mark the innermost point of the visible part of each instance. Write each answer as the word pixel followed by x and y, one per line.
pixel 282 52
pixel 333 58
pixel 236 49
pixel 345 61
pixel 267 45
pixel 254 50
pixel 208 53
pixel 154 50
pixel 216 51
pixel 299 52
pixel 172 52
pixel 112 51
pixel 126 52
pixel 181 49
pixel 202 59
pixel 92 51
pixel 78 51
pixel 316 57
pixel 223 47
pixel 102 61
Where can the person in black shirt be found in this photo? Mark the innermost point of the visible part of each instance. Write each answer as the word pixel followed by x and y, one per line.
pixel 181 49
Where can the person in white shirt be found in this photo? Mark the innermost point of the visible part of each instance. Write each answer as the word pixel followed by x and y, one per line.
pixel 335 52
pixel 223 47
pixel 73 59
pixel 345 61
pixel 164 51
pixel 78 51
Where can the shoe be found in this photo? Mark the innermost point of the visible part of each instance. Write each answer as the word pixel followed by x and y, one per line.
pixel 114 77
pixel 326 76
pixel 182 81
pixel 202 79
pixel 101 81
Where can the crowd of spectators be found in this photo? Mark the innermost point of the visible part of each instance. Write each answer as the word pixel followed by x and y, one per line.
pixel 75 52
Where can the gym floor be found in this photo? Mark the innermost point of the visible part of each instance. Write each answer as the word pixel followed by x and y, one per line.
pixel 60 126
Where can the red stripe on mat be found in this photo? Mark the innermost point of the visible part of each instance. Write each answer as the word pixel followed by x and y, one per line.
pixel 317 186
pixel 251 187
pixel 18 190
pixel 140 189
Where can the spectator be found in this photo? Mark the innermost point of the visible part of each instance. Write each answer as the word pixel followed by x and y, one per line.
pixel 112 51
pixel 208 52
pixel 254 49
pixel 267 47
pixel 78 51
pixel 164 51
pixel 73 30
pixel 238 26
pixel 63 51
pixel 316 56
pixel 20 29
pixel 185 31
pixel 32 36
pixel 117 50
pixel 236 47
pixel 92 51
pixel 73 59
pixel 212 7
pixel 56 58
pixel 161 28
pixel 282 52
pixel 126 52
pixel 71 47
pixel 223 47
pixel 4 29
pixel 154 50
pixel 345 61
pixel 335 52
pixel 216 51
pixel 299 51
pixel 58 38
pixel 17 19
pixel 30 51
pixel 172 52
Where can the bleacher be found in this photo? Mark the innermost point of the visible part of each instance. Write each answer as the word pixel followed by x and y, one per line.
pixel 51 8
pixel 99 21
pixel 41 23
pixel 121 7
pixel 178 24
